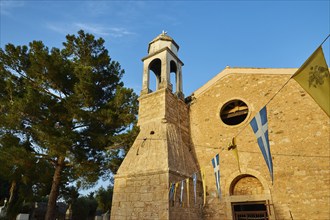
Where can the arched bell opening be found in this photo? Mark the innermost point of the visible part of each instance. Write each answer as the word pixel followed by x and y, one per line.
pixel 154 75
pixel 174 79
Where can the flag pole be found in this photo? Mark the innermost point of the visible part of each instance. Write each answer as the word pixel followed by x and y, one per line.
pixel 324 40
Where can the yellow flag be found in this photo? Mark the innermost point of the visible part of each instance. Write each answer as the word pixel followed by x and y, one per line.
pixel 187 184
pixel 314 77
pixel 176 186
pixel 232 146
pixel 204 184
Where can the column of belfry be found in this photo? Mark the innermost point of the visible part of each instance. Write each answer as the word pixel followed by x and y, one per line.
pixel 162 152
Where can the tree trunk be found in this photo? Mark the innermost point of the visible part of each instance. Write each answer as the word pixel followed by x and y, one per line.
pixel 51 206
pixel 12 191
pixel 12 204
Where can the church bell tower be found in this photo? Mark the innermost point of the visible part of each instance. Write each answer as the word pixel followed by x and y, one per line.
pixel 162 61
pixel 162 152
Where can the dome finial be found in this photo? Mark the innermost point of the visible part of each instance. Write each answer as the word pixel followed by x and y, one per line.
pixel 164 33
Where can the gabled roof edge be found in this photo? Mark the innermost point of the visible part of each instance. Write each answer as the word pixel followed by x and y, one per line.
pixel 240 70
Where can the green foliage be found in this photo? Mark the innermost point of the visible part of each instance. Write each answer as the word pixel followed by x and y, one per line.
pixel 69 194
pixel 84 208
pixel 21 170
pixel 104 198
pixel 60 110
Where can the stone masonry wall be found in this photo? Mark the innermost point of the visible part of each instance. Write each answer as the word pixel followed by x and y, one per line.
pixel 182 160
pixel 161 154
pixel 143 196
pixel 299 133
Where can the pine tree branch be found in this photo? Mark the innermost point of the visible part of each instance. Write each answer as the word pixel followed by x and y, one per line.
pixel 45 157
pixel 38 87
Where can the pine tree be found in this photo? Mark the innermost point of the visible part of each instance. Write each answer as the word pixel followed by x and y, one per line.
pixel 70 105
pixel 21 170
pixel 104 198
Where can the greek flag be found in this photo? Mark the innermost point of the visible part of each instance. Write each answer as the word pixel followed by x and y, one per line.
pixel 259 125
pixel 215 163
pixel 195 183
pixel 171 193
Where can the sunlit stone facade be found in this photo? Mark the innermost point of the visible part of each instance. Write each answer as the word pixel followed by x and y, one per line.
pixel 179 136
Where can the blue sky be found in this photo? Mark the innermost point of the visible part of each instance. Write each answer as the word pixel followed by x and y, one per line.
pixel 211 34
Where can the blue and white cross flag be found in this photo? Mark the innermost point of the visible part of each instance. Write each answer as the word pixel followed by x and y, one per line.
pixel 171 192
pixel 195 183
pixel 259 125
pixel 216 167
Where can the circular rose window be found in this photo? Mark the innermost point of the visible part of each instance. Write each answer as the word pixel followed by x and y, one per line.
pixel 234 112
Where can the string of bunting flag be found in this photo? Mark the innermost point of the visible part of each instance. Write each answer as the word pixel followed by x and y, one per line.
pixel 313 76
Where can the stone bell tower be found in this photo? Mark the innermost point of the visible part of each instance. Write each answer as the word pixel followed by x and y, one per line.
pixel 162 152
pixel 162 60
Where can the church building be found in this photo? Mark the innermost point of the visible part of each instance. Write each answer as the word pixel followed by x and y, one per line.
pixel 198 157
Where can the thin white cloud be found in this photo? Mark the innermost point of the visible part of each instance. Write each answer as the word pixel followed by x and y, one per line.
pixel 119 32
pixel 96 29
pixel 60 28
pixel 6 6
